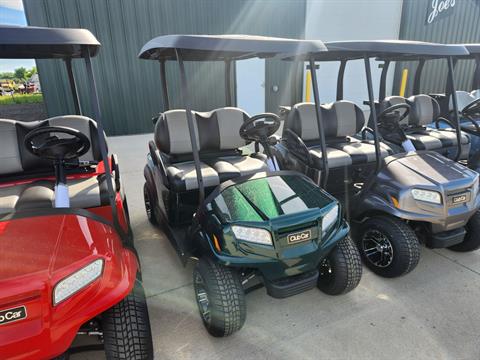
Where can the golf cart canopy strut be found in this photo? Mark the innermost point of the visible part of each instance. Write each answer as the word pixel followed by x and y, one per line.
pixel 226 48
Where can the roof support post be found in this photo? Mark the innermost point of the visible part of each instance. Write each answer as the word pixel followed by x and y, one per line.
pixel 451 80
pixel 101 140
pixel 383 81
pixel 191 128
pixel 73 86
pixel 163 77
pixel 341 75
pixel 373 110
pixel 228 82
pixel 324 178
pixel 418 77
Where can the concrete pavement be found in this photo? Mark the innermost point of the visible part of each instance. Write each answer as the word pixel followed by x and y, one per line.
pixel 432 313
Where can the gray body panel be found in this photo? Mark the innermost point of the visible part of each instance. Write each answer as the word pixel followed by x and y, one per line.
pixel 426 171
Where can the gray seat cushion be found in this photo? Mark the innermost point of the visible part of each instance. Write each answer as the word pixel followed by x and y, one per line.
pixel 336 158
pixel 229 167
pixel 84 193
pixel 183 176
pixel 363 152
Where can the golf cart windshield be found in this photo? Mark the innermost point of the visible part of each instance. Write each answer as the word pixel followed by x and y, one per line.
pixel 267 198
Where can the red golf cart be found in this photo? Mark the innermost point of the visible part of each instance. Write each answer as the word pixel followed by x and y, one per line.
pixel 68 265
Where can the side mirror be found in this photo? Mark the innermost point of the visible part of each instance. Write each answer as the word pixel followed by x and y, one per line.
pixel 155 119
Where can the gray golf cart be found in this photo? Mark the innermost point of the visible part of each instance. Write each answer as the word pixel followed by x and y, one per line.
pixel 394 199
pixel 245 222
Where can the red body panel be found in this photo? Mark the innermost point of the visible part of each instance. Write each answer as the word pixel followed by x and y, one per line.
pixel 35 254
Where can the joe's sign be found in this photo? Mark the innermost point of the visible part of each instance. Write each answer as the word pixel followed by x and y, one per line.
pixel 439 9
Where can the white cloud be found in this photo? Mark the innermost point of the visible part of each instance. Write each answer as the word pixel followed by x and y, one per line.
pixel 12 4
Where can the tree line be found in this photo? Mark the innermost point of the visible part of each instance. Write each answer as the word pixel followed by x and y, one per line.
pixel 20 74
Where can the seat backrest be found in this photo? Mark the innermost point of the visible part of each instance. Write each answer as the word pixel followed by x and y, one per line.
pixel 14 157
pixel 423 110
pixel 341 118
pixel 216 131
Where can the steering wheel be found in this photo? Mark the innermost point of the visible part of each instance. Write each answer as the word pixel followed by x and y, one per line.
pixel 392 112
pixel 43 143
pixel 259 127
pixel 472 109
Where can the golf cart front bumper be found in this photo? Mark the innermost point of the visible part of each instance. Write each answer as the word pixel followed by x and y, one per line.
pixel 425 173
pixel 292 270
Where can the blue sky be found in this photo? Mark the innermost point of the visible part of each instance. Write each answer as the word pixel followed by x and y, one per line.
pixel 11 13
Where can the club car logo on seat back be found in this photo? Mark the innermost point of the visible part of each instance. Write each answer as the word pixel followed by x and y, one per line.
pixel 299 236
pixel 15 314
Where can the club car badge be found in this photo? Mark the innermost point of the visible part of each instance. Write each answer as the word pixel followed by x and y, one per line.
pixel 11 315
pixel 299 236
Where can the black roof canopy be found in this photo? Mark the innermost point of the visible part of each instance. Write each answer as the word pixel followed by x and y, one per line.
pixel 223 47
pixel 388 49
pixel 28 42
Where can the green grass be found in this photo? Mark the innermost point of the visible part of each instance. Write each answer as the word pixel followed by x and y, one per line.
pixel 21 99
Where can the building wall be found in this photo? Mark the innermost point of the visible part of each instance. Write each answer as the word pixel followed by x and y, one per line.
pixel 351 20
pixel 457 24
pixel 129 88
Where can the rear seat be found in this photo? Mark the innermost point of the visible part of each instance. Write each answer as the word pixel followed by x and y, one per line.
pixel 424 110
pixel 17 163
pixel 218 140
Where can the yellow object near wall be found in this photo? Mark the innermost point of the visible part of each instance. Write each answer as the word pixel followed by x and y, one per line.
pixel 308 86
pixel 403 84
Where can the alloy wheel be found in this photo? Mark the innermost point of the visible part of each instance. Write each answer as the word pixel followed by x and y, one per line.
pixel 377 248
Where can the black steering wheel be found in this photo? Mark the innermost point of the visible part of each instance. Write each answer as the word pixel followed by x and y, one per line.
pixel 43 143
pixel 260 127
pixel 392 113
pixel 472 109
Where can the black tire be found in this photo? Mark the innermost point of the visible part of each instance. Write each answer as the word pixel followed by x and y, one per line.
pixel 471 242
pixel 341 271
pixel 396 249
pixel 220 297
pixel 149 205
pixel 126 328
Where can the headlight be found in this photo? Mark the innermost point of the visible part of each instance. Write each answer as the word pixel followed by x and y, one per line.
pixel 77 281
pixel 329 219
pixel 254 235
pixel 427 196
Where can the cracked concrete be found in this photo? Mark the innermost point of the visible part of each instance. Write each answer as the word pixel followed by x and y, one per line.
pixel 432 313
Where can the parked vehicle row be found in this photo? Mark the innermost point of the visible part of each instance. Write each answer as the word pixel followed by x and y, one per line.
pixel 277 217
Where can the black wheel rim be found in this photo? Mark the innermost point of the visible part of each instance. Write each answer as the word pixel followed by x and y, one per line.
pixel 377 248
pixel 325 271
pixel 148 205
pixel 201 296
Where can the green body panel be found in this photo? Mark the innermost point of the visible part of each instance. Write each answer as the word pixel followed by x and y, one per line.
pixel 283 205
